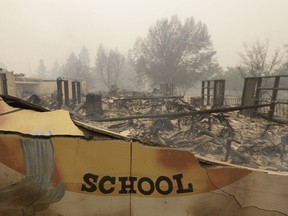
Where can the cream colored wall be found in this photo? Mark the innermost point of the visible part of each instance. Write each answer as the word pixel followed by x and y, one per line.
pixel 41 87
pixel 47 87
pixel 84 88
pixel 12 90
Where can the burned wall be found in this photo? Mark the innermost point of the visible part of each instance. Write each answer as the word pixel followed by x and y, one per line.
pixel 7 84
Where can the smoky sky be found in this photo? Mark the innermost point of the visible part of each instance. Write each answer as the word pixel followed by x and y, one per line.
pixel 51 29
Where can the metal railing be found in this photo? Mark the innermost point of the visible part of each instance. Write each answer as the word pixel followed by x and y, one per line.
pixel 281 106
pixel 231 100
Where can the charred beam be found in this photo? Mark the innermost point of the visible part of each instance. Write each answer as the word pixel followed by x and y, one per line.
pixel 148 98
pixel 175 115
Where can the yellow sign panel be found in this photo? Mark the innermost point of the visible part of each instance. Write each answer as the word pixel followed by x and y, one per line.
pixel 75 176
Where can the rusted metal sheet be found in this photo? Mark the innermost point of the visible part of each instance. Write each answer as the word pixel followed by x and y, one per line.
pixel 74 175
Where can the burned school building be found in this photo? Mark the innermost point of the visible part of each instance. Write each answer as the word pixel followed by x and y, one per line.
pixel 67 151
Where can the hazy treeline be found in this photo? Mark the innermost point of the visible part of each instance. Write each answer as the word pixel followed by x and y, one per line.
pixel 172 52
pixel 107 69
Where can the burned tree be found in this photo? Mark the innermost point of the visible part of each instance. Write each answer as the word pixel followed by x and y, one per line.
pixel 175 52
pixel 255 60
pixel 109 64
pixel 70 68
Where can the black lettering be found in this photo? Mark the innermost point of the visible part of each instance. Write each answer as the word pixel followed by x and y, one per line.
pixel 87 179
pixel 150 182
pixel 102 182
pixel 125 186
pixel 169 183
pixel 181 189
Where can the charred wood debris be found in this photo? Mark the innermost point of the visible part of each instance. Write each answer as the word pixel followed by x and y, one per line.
pixel 172 121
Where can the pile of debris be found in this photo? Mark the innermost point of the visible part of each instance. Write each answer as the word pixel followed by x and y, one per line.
pixel 157 121
pixel 230 136
pixel 48 102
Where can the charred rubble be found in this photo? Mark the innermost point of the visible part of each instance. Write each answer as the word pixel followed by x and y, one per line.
pixel 226 136
pixel 251 131
pixel 172 121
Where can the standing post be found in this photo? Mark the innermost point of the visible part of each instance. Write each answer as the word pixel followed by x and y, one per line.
pixel 219 92
pixel 274 98
pixel 257 95
pixel 284 140
pixel 203 93
pixel 244 92
pixel 79 91
pixel 208 93
pixel 59 93
pixel 4 83
pixel 66 92
pixel 248 95
pixel 74 92
pixel 171 89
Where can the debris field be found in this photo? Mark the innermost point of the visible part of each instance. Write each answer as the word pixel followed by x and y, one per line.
pixel 165 121
pixel 229 136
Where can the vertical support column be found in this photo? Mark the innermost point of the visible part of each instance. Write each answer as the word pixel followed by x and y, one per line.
pixel 274 98
pixel 3 80
pixel 284 140
pixel 248 96
pixel 244 92
pixel 171 89
pixel 203 93
pixel 66 92
pixel 5 85
pixel 215 93
pixel 74 93
pixel 78 92
pixel 208 93
pixel 219 92
pixel 59 93
pixel 257 95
